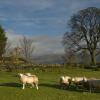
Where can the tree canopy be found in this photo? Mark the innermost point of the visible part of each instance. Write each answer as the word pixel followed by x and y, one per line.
pixel 84 32
pixel 3 40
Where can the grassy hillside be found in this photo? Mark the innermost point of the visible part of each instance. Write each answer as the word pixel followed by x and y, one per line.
pixel 10 87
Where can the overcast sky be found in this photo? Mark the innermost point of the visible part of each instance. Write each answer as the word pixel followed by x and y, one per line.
pixel 43 20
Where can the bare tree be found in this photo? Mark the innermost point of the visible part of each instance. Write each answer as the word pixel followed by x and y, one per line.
pixel 85 32
pixel 70 57
pixel 27 48
pixel 84 56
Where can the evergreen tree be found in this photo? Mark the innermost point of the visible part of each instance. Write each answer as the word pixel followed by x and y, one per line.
pixel 3 40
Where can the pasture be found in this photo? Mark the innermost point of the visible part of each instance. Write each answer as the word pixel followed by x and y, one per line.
pixel 11 89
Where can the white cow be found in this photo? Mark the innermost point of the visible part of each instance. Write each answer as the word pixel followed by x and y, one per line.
pixel 29 74
pixel 79 81
pixel 65 81
pixel 25 79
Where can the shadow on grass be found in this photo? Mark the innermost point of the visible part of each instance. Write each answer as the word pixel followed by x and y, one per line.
pixel 49 85
pixel 11 84
pixel 72 88
pixel 56 86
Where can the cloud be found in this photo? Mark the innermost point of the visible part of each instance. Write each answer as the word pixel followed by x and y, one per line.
pixel 50 45
pixel 36 4
pixel 45 21
pixel 44 44
pixel 13 36
pixel 40 14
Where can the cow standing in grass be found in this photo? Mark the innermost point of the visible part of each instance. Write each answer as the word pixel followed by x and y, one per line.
pixel 93 84
pixel 79 81
pixel 25 79
pixel 65 81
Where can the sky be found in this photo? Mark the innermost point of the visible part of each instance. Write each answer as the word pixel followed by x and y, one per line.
pixel 45 21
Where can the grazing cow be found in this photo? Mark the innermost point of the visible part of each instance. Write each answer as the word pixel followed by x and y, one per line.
pixel 79 81
pixel 93 84
pixel 65 81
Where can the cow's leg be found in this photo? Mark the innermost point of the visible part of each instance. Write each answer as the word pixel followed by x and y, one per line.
pixel 23 86
pixel 32 85
pixel 36 86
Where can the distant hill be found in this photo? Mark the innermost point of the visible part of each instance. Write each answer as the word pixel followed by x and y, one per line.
pixel 48 59
pixel 54 59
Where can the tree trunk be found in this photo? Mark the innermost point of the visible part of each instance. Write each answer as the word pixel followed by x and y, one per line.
pixel 93 58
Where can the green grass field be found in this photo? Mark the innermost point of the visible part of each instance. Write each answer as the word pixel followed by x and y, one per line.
pixel 10 87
